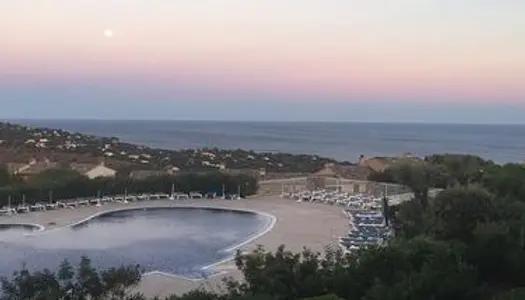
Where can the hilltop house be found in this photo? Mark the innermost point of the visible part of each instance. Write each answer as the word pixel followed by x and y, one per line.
pixel 94 171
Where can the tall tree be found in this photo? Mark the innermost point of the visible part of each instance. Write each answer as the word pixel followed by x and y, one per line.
pixel 420 177
pixel 462 169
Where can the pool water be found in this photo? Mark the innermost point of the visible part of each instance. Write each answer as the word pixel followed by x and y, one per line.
pixel 177 241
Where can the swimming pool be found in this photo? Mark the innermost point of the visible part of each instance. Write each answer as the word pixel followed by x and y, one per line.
pixel 180 241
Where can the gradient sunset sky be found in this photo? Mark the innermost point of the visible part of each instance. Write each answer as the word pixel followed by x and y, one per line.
pixel 328 60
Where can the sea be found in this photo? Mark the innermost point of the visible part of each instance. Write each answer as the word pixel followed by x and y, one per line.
pixel 342 141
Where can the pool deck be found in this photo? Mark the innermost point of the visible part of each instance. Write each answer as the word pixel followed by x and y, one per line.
pixel 313 225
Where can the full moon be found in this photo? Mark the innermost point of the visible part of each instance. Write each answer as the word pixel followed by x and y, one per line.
pixel 108 33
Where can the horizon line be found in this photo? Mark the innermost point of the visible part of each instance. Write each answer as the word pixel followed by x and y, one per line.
pixel 408 122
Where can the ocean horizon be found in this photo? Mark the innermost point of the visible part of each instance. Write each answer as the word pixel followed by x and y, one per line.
pixel 342 141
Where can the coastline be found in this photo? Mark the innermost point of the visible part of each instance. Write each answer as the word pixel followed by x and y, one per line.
pixel 343 141
pixel 292 225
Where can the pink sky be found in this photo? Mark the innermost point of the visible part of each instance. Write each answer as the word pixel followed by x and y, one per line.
pixel 385 50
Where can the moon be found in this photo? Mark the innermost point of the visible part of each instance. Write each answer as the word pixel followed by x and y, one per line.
pixel 108 33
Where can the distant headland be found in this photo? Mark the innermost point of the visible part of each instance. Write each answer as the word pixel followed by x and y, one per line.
pixel 28 150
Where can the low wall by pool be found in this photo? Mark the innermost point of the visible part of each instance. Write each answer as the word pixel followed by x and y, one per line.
pixel 181 241
pixel 22 226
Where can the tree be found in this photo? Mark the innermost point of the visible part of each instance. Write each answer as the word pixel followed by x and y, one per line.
pixel 25 285
pixel 420 177
pixel 407 219
pixel 425 269
pixel 505 181
pixel 6 178
pixel 55 176
pixel 456 212
pixel 461 169
pixel 273 274
pixel 86 283
pixel 514 294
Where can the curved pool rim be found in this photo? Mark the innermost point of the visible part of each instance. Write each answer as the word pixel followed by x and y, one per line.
pixel 39 228
pixel 230 249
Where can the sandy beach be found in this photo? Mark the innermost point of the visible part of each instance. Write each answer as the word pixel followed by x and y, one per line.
pixel 314 225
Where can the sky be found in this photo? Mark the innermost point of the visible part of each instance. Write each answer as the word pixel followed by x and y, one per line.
pixel 438 61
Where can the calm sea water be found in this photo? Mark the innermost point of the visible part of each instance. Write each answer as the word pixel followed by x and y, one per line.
pixel 343 141
pixel 179 241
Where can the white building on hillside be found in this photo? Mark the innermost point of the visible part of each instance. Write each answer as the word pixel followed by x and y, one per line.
pixel 94 171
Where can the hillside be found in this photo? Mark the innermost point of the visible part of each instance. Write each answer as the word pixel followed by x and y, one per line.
pixel 20 143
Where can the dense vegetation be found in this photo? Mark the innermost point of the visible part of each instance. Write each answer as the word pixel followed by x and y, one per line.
pixel 81 283
pixel 466 243
pixel 67 184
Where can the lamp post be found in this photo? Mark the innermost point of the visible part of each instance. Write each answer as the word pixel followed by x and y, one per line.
pixel 125 196
pixel 99 200
pixel 239 191
pixel 172 196
pixel 385 206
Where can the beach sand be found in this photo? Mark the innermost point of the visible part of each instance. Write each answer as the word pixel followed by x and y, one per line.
pixel 313 225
